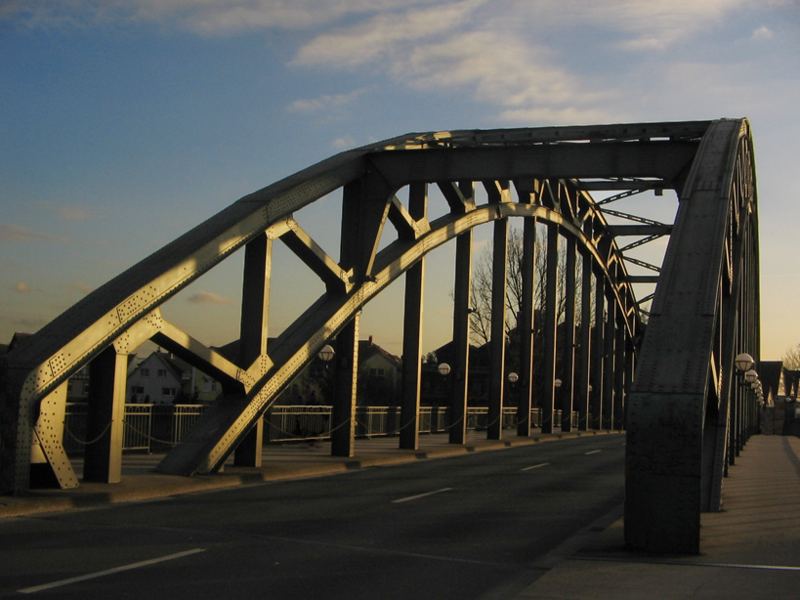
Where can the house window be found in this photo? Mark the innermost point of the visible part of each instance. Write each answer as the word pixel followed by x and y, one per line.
pixel 145 372
pixel 168 391
pixel 162 372
pixel 137 389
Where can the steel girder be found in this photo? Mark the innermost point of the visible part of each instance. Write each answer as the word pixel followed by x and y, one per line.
pixel 687 415
pixel 124 313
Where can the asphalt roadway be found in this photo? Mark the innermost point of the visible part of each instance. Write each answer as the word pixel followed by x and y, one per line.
pixel 474 526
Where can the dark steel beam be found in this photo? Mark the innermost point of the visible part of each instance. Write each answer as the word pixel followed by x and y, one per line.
pixel 525 327
pixel 459 375
pixel 343 416
pixel 494 426
pixel 253 332
pixel 618 230
pixel 598 362
pixel 412 332
pixel 550 322
pixel 609 335
pixel 584 344
pixel 567 391
pixel 668 405
pixel 649 159
pixel 106 416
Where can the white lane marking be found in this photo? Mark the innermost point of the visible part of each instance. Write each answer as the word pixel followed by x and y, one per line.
pixel 136 565
pixel 416 497
pixel 539 466
pixel 592 452
pixel 686 563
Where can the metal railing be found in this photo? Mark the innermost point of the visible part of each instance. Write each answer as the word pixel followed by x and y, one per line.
pixel 151 427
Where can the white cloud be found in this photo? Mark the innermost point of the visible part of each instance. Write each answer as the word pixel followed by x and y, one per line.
pixel 651 25
pixel 208 298
pixel 74 213
pixel 381 35
pixel 16 233
pixel 763 33
pixel 325 102
pixel 343 143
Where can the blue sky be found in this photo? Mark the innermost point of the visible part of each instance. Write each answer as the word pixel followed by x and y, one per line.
pixel 124 124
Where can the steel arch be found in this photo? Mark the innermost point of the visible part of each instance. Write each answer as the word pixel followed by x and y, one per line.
pixel 112 321
pixel 688 415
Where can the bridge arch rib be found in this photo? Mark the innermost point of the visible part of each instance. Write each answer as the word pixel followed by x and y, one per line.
pixel 552 171
pixel 689 416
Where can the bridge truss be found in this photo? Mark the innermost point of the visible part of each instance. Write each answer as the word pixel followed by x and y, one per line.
pixel 685 415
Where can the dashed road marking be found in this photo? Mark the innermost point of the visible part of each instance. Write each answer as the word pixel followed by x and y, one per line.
pixel 130 567
pixel 418 496
pixel 532 467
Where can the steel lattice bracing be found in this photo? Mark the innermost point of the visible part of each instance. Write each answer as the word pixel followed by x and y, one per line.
pixel 540 175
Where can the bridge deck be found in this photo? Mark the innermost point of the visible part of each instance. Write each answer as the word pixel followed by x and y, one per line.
pixel 280 461
pixel 750 550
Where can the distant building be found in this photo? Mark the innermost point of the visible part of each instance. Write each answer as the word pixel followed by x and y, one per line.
pixel 379 373
pixel 162 378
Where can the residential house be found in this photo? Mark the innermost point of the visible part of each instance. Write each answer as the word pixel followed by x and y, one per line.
pixel 162 378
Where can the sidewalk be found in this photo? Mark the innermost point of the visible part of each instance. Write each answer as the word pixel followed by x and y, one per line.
pixel 280 462
pixel 750 550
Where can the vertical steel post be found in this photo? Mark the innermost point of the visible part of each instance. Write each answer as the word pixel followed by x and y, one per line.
pixel 108 374
pixel 253 332
pixel 412 331
pixel 494 426
pixel 457 415
pixel 343 418
pixel 568 353
pixel 619 372
pixel 550 322
pixel 608 361
pixel 585 345
pixel 525 328
pixel 597 368
pixel 630 372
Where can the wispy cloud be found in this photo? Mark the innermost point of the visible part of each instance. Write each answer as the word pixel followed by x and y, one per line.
pixel 81 287
pixel 326 102
pixel 208 298
pixel 379 36
pixel 763 33
pixel 16 233
pixel 74 213
pixel 22 287
pixel 343 143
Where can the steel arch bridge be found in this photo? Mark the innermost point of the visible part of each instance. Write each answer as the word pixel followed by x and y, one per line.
pixel 675 392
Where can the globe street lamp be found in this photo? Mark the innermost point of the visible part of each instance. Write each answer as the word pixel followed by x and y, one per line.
pixel 326 354
pixel 443 369
pixel 750 376
pixel 513 378
pixel 744 362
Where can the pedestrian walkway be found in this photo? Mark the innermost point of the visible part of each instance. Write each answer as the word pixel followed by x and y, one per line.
pixel 294 460
pixel 749 550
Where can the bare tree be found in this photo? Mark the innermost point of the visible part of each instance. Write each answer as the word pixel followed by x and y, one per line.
pixel 791 359
pixel 481 291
